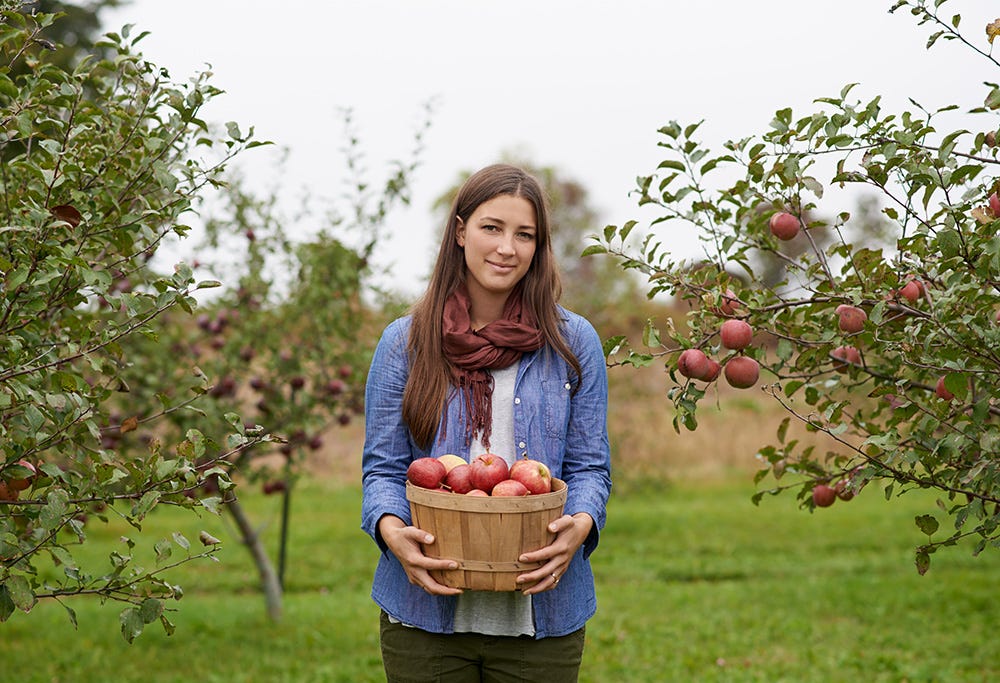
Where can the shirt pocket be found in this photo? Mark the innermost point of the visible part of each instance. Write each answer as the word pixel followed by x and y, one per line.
pixel 555 407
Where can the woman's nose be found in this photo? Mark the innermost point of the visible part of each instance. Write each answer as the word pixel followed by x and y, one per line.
pixel 506 245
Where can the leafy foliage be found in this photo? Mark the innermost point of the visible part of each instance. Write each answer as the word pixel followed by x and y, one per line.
pixel 917 406
pixel 99 164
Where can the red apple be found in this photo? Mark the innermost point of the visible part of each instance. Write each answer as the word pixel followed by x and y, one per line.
pixel 942 391
pixel 7 493
pixel 488 470
pixel 823 496
pixel 995 205
pixel 730 305
pixel 459 478
pixel 852 318
pixel 509 487
pixel 477 492
pixel 844 357
pixel 843 490
pixel 912 291
pixel 692 363
pixel 742 372
pixel 276 486
pixel 784 225
pixel 426 473
pixel 534 474
pixel 736 334
pixel 712 374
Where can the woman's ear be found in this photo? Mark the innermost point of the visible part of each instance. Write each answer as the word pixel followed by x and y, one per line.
pixel 460 231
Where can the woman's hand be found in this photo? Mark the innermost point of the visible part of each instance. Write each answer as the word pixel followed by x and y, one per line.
pixel 571 532
pixel 405 543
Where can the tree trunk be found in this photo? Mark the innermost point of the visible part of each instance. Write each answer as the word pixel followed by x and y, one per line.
pixel 268 577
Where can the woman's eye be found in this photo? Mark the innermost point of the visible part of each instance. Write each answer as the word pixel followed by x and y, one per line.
pixel 526 236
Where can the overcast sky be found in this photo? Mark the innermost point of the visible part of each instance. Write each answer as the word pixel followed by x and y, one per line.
pixel 582 85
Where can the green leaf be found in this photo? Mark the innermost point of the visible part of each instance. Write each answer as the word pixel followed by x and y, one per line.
pixel 20 592
pixel 150 610
pixel 783 429
pixel 132 623
pixel 927 524
pixel 71 613
pixel 55 509
pixel 650 335
pixel 6 604
pixel 145 504
pixel 923 561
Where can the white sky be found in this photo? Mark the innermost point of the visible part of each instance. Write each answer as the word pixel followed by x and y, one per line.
pixel 578 84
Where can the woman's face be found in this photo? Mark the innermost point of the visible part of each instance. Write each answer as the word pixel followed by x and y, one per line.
pixel 499 240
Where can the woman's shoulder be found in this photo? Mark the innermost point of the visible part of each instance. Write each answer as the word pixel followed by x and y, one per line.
pixel 400 327
pixel 575 325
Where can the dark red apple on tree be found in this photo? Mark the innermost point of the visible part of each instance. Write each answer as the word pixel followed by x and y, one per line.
pixel 844 357
pixel 509 487
pixel 736 334
pixel 995 205
pixel 335 387
pixel 459 478
pixel 912 291
pixel 534 474
pixel 6 492
pixel 692 363
pixel 426 473
pixel 730 304
pixel 942 391
pixel 784 225
pixel 742 372
pixel 276 486
pixel 843 490
pixel 852 318
pixel 488 470
pixel 823 495
pixel 714 369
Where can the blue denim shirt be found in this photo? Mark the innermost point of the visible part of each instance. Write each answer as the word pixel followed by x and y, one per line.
pixel 566 431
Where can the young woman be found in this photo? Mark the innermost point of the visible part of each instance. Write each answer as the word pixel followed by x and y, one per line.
pixel 487 361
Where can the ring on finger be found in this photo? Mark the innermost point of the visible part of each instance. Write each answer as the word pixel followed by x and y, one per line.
pixel 555 577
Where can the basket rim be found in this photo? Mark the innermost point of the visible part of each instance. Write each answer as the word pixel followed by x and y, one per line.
pixel 488 504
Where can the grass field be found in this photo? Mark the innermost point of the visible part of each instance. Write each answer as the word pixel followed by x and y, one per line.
pixel 694 582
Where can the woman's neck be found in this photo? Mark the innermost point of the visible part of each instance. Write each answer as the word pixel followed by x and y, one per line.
pixel 485 309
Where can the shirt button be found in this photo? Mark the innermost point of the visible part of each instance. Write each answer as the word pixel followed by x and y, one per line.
pixel 566 386
pixel 517 401
pixel 521 445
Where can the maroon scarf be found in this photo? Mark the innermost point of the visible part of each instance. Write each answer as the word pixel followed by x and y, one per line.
pixel 472 352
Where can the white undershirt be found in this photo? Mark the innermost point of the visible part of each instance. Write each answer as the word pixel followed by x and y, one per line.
pixel 497 613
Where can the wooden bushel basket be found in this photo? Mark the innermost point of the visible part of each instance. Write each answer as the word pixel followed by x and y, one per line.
pixel 485 535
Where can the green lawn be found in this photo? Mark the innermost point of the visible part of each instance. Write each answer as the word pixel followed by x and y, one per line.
pixel 695 584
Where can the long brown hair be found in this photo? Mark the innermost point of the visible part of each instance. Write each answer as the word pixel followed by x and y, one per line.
pixel 430 377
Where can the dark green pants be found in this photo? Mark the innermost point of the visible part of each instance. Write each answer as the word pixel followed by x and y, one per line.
pixel 411 655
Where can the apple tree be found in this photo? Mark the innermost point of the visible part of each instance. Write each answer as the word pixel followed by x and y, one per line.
pixel 882 336
pixel 100 162
pixel 279 343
